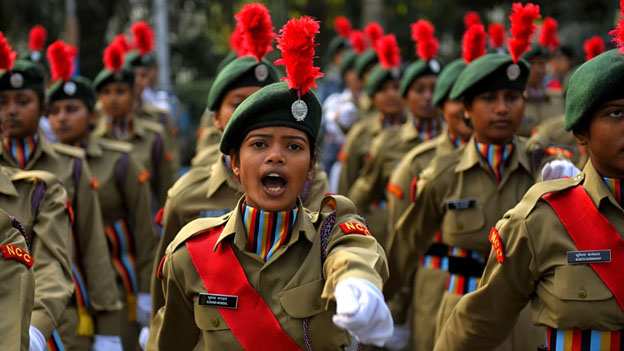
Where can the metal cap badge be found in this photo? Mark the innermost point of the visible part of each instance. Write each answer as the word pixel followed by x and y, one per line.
pixel 513 71
pixel 299 110
pixel 70 88
pixel 261 72
pixel 16 80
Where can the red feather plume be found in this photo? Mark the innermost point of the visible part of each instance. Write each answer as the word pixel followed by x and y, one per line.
pixel 618 32
pixel 388 52
pixel 426 44
pixel 143 37
pixel 548 35
pixel 358 41
pixel 114 57
pixel 296 42
pixel 522 28
pixel 236 38
pixel 61 58
pixel 473 43
pixel 257 30
pixel 470 18
pixel 496 32
pixel 373 31
pixel 7 55
pixel 122 41
pixel 593 47
pixel 37 38
pixel 343 27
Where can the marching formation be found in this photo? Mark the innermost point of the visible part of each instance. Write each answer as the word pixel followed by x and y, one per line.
pixel 377 205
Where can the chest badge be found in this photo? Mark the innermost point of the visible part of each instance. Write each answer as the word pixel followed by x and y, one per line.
pixel 217 300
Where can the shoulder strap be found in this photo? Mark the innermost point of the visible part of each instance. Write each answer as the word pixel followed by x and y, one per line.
pixel 221 273
pixel 157 150
pixel 122 170
pixel 590 230
pixel 17 225
pixel 77 172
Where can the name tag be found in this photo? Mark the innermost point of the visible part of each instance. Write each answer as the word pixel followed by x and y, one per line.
pixel 215 300
pixel 461 204
pixel 576 257
pixel 213 213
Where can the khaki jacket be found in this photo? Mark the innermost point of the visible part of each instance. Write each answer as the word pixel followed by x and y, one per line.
pixel 551 133
pixel 293 282
pixel 48 231
pixel 18 289
pixel 538 110
pixel 209 192
pixel 206 156
pixel 155 114
pixel 535 269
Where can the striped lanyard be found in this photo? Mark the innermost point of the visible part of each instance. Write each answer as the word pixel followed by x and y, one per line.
pixel 615 185
pixel 21 149
pixel 457 141
pixel 497 157
pixel 121 128
pixel 267 231
pixel 427 128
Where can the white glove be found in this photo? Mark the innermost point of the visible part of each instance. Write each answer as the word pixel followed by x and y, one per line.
pixel 361 309
pixel 107 343
pixel 143 337
pixel 559 169
pixel 400 337
pixel 347 115
pixel 37 341
pixel 143 308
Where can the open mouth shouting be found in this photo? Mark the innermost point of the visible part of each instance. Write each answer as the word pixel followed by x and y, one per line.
pixel 274 182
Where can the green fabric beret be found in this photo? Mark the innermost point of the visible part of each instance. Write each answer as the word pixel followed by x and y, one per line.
pixel 364 60
pixel 231 56
pixel 378 76
pixel 446 79
pixel 24 75
pixel 416 70
pixel 491 72
pixel 38 57
pixel 124 75
pixel 536 50
pixel 75 88
pixel 134 59
pixel 273 105
pixel 335 45
pixel 241 72
pixel 595 82
pixel 348 61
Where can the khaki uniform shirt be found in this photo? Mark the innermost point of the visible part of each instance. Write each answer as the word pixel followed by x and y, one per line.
pixel 551 133
pixel 144 140
pixel 293 282
pixel 155 114
pixel 48 231
pixel 210 192
pixel 125 196
pixel 207 134
pixel 538 110
pixel 17 291
pixel 206 156
pixel 88 229
pixel 535 269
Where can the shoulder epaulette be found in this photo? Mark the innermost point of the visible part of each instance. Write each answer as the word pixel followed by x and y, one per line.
pixel 68 150
pixel 440 165
pixel 422 148
pixel 34 176
pixel 535 193
pixel 115 145
pixel 194 175
pixel 195 227
pixel 151 126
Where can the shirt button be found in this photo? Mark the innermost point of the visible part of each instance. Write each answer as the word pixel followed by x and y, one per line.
pixel 215 322
pixel 582 294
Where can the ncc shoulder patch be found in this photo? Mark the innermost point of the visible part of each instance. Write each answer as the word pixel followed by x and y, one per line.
pixel 12 252
pixel 160 267
pixel 70 211
pixel 553 150
pixel 159 217
pixel 395 190
pixel 95 184
pixel 354 228
pixel 497 245
pixel 144 176
pixel 169 156
pixel 413 189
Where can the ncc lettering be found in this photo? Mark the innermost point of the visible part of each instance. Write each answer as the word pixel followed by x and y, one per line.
pixel 354 227
pixel 17 253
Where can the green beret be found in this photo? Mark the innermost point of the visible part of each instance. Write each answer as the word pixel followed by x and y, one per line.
pixel 241 72
pixel 416 70
pixel 364 60
pixel 378 76
pixel 335 45
pixel 273 105
pixel 595 82
pixel 536 50
pixel 491 72
pixel 37 57
pixel 134 59
pixel 76 88
pixel 231 56
pixel 124 75
pixel 23 75
pixel 348 61
pixel 446 79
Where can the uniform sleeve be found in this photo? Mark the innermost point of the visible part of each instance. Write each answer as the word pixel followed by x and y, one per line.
pixel 136 196
pixel 173 327
pixel 483 319
pixel 17 292
pixel 94 257
pixel 352 252
pixel 369 186
pixel 165 173
pixel 399 199
pixel 52 269
pixel 351 165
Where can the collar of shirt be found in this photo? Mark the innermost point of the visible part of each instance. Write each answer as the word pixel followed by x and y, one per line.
pixel 470 157
pixel 595 186
pixel 6 184
pixel 43 147
pixel 219 174
pixel 93 148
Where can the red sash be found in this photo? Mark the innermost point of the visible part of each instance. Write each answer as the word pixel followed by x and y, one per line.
pixel 252 322
pixel 590 230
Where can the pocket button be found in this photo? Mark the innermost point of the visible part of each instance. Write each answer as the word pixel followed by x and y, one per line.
pixel 582 294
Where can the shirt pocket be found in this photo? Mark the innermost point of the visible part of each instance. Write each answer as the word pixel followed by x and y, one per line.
pixel 579 283
pixel 463 221
pixel 209 319
pixel 304 300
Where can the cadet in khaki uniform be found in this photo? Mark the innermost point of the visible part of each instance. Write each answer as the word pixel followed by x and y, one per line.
pixel 115 87
pixel 124 198
pixel 24 148
pixel 287 287
pixel 464 193
pixel 538 248
pixel 401 192
pixel 18 285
